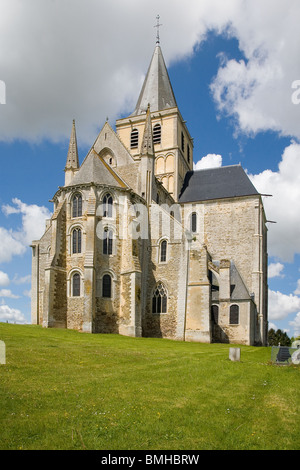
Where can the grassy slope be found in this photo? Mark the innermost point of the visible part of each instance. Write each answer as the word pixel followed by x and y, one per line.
pixel 67 390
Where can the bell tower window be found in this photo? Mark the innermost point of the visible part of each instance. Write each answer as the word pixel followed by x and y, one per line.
pixel 157 134
pixel 134 139
pixel 182 141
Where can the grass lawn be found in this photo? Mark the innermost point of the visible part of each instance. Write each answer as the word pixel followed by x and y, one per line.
pixel 62 389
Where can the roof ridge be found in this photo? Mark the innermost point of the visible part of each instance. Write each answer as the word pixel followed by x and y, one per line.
pixel 219 167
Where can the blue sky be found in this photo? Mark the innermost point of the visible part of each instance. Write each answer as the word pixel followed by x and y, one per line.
pixel 232 75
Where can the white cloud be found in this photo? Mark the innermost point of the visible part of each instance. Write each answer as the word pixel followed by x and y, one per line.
pixel 4 279
pixel 9 245
pixel 272 325
pixel 282 305
pixel 258 91
pixel 8 293
pixel 33 220
pixel 296 325
pixel 284 205
pixel 297 291
pixel 95 67
pixel 275 270
pixel 15 242
pixel 8 314
pixel 209 161
pixel 27 293
pixel 21 280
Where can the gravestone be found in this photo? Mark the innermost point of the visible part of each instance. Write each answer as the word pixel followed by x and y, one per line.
pixel 296 357
pixel 2 352
pixel 235 354
pixel 283 354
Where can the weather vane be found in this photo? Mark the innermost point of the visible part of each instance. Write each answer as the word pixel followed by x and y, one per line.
pixel 157 26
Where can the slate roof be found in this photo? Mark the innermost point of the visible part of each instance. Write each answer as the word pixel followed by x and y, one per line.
pixel 216 183
pixel 95 170
pixel 238 290
pixel 157 89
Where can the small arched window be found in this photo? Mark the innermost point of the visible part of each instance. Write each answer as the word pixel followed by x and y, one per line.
pixel 193 222
pixel 215 314
pixel 77 205
pixel 76 240
pixel 107 205
pixel 157 134
pixel 234 315
pixel 163 251
pixel 76 285
pixel 134 139
pixel 106 286
pixel 159 299
pixel 107 242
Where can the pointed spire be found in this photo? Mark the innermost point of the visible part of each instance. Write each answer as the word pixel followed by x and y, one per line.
pixel 72 158
pixel 147 143
pixel 157 89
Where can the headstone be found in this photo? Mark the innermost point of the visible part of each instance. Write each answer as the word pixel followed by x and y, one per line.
pixel 283 354
pixel 2 353
pixel 235 354
pixel 296 357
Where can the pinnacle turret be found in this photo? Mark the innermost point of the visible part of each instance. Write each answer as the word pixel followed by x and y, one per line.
pixel 72 158
pixel 147 144
pixel 72 165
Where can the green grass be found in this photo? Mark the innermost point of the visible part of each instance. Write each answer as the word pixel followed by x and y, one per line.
pixel 62 389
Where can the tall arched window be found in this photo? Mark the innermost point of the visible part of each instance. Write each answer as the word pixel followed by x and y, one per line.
pixel 194 222
pixel 234 315
pixel 159 299
pixel 107 205
pixel 163 251
pixel 106 286
pixel 77 205
pixel 107 242
pixel 157 134
pixel 76 285
pixel 134 139
pixel 215 314
pixel 76 240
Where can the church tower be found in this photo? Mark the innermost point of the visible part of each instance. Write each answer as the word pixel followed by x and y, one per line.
pixel 115 257
pixel 173 145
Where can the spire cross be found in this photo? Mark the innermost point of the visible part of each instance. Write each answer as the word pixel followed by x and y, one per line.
pixel 157 26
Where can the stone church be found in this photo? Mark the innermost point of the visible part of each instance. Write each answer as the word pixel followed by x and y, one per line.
pixel 140 244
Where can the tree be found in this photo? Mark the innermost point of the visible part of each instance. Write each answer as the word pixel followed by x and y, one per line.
pixel 278 337
pixel 272 340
